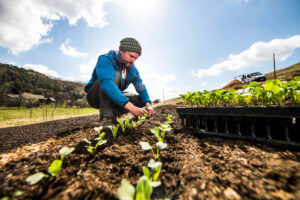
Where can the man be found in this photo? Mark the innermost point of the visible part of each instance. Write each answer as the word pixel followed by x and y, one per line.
pixel 112 74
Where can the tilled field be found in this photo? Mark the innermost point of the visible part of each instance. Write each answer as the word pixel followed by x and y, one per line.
pixel 193 168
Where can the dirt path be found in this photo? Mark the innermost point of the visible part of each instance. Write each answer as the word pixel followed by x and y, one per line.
pixel 193 168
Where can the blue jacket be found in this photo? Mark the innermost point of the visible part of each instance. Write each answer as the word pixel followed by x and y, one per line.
pixel 105 70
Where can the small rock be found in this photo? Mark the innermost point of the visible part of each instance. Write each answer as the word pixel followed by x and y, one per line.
pixel 231 194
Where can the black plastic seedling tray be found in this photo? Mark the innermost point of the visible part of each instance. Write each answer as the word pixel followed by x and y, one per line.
pixel 277 126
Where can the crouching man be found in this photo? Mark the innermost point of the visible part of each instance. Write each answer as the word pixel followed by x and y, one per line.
pixel 113 73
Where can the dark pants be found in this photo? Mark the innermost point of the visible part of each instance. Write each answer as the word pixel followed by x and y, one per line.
pixel 98 99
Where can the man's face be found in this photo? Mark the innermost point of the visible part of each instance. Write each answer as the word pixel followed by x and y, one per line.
pixel 128 57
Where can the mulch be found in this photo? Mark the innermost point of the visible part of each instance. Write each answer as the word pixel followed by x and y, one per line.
pixel 193 167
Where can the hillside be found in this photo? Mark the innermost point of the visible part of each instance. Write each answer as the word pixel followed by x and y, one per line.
pixel 285 74
pixel 33 82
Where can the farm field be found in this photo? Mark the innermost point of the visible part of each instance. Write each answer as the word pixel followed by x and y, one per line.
pixel 192 167
pixel 12 116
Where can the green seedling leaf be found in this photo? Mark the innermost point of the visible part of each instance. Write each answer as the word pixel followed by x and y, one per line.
pixel 65 151
pixel 155 184
pixel 55 167
pixel 98 129
pixel 87 141
pixel 126 191
pixel 146 172
pixel 156 131
pixel 153 165
pixel 121 124
pixel 90 149
pixel 114 130
pixel 101 136
pixel 143 189
pixel 17 194
pixel 145 146
pixel 5 198
pixel 35 178
pixel 161 145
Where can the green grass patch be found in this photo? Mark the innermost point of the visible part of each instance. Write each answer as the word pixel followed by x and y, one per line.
pixel 14 116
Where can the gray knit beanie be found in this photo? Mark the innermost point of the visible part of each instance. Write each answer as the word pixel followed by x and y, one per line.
pixel 130 44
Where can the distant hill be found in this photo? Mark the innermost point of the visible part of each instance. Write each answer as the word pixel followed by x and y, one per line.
pixel 285 74
pixel 30 81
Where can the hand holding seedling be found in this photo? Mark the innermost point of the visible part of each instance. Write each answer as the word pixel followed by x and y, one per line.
pixel 136 111
pixel 149 108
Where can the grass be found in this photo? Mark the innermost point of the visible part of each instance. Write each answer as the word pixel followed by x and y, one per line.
pixel 12 116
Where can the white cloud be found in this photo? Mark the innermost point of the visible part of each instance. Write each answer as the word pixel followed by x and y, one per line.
pixel 25 24
pixel 204 84
pixel 158 83
pixel 70 51
pixel 86 69
pixel 43 69
pixel 223 84
pixel 258 54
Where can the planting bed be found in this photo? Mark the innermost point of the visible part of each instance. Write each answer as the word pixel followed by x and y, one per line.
pixel 192 168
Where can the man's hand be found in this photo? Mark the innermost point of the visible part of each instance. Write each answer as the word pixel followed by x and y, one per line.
pixel 149 108
pixel 136 111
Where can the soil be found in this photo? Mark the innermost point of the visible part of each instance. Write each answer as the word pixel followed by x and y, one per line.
pixel 235 84
pixel 193 167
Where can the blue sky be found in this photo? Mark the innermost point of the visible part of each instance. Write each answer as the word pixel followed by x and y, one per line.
pixel 188 45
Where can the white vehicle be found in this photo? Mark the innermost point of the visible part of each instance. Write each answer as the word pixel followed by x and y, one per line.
pixel 255 76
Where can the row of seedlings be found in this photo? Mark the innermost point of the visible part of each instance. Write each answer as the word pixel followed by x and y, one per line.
pixel 150 178
pixel 56 165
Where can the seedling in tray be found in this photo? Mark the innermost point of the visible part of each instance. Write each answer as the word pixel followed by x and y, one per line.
pixel 53 170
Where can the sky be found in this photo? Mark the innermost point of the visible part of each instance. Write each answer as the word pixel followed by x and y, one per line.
pixel 187 45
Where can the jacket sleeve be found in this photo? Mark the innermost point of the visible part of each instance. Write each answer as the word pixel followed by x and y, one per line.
pixel 141 88
pixel 106 74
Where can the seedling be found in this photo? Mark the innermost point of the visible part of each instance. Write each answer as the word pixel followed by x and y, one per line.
pixel 160 131
pixel 114 129
pixel 100 140
pixel 160 145
pixel 122 124
pixel 128 124
pixel 53 170
pixel 169 119
pixel 143 190
pixel 153 177
pixel 16 194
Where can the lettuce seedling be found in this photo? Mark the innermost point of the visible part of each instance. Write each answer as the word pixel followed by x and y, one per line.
pixel 121 123
pixel 143 190
pixel 153 177
pixel 18 193
pixel 160 145
pixel 156 132
pixel 160 131
pixel 89 148
pixel 54 168
pixel 127 123
pixel 169 119
pixel 100 140
pixel 114 129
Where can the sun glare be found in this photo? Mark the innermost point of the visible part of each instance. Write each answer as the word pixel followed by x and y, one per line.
pixel 141 8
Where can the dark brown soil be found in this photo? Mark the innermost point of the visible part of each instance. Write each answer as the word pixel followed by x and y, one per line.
pixel 193 168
